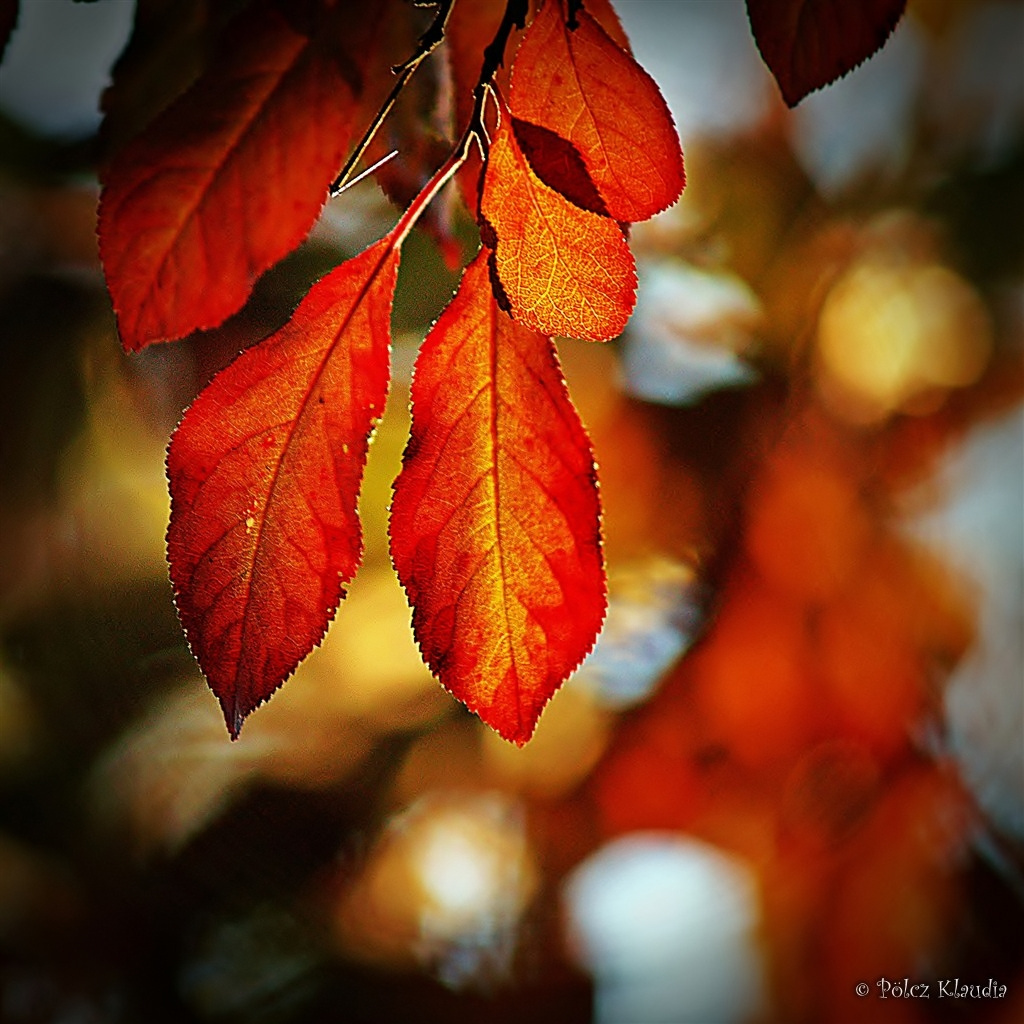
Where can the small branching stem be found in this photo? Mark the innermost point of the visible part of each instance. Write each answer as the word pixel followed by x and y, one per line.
pixel 428 42
pixel 475 132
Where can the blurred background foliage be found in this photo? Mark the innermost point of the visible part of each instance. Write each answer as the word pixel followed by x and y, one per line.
pixel 795 760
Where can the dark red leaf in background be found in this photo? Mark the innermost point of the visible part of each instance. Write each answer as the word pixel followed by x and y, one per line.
pixel 495 524
pixel 809 43
pixel 265 471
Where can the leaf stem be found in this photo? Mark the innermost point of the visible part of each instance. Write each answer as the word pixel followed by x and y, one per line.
pixel 494 55
pixel 440 178
pixel 494 58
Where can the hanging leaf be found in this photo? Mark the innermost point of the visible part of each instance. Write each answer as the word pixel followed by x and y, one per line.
pixel 809 43
pixel 560 269
pixel 265 471
pixel 580 85
pixel 231 177
pixel 495 524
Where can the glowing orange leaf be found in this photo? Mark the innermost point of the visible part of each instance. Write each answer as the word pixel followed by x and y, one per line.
pixel 495 524
pixel 809 43
pixel 581 85
pixel 227 180
pixel 265 470
pixel 561 269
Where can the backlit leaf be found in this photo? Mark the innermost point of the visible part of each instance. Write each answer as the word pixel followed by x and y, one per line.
pixel 809 43
pixel 471 27
pixel 495 524
pixel 231 177
pixel 265 471
pixel 581 85
pixel 561 269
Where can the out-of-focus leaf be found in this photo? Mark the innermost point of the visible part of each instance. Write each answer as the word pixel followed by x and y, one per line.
pixel 254 143
pixel 809 43
pixel 171 44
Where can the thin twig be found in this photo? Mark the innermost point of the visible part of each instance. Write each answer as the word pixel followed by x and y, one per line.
pixel 428 42
pixel 476 130
pixel 366 173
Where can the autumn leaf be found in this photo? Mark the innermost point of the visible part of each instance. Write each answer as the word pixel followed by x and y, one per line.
pixel 495 524
pixel 561 269
pixel 231 177
pixel 172 41
pixel 265 471
pixel 580 85
pixel 809 43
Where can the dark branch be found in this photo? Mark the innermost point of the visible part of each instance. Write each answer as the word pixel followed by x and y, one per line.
pixel 428 42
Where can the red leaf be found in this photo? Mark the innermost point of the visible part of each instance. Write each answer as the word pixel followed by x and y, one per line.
pixel 561 269
pixel 229 178
pixel 581 85
pixel 809 43
pixel 265 470
pixel 172 41
pixel 495 524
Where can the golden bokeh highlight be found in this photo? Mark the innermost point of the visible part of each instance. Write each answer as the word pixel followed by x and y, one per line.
pixel 894 336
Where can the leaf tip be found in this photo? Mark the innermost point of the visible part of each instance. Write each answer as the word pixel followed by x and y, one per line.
pixel 234 717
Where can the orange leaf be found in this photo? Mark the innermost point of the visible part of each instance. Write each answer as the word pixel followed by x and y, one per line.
pixel 230 178
pixel 495 524
pixel 561 269
pixel 581 85
pixel 809 43
pixel 265 470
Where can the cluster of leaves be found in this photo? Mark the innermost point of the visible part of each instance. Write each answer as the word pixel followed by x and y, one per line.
pixel 495 525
